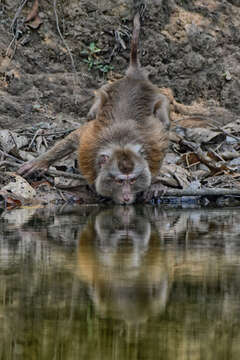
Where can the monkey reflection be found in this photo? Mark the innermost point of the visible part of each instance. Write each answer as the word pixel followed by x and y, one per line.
pixel 127 274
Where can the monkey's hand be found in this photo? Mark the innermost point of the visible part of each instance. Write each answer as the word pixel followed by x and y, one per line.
pixel 32 166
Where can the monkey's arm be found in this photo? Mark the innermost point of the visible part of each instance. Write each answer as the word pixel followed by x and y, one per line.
pixel 101 97
pixel 61 149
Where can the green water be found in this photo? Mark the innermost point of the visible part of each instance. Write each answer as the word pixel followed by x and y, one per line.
pixel 122 283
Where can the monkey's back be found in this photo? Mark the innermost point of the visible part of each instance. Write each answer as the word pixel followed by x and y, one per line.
pixel 130 98
pixel 132 101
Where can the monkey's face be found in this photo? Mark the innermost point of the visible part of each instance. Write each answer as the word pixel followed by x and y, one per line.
pixel 122 175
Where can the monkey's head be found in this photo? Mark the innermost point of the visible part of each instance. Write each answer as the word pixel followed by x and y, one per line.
pixel 122 173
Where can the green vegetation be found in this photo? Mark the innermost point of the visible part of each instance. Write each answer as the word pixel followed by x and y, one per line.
pixel 93 60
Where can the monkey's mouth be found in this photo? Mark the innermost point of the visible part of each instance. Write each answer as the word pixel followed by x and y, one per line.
pixel 127 201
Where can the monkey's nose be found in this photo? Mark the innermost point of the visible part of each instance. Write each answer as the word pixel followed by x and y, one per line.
pixel 126 197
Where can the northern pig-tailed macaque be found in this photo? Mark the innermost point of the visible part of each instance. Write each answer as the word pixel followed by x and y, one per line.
pixel 122 148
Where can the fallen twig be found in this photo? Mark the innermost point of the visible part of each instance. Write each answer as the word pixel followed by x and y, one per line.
pixel 62 38
pixel 45 134
pixel 225 132
pixel 75 77
pixel 14 29
pixel 60 132
pixel 65 174
pixel 10 45
pixel 199 117
pixel 37 133
pixel 11 157
pixel 10 163
pixel 201 192
pixel 18 12
pixel 62 195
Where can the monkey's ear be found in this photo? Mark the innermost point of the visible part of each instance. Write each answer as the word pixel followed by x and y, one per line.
pixel 102 159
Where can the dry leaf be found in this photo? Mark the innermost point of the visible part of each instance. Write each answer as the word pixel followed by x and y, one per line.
pixel 35 23
pixel 233 127
pixel 18 189
pixel 188 159
pixel 34 12
pixel 10 141
pixel 200 135
pixel 180 175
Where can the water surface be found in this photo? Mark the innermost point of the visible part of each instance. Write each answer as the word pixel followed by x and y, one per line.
pixel 120 283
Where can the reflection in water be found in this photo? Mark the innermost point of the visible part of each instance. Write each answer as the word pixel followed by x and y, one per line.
pixel 126 279
pixel 120 283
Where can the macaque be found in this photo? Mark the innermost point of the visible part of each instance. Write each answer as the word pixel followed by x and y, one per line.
pixel 123 146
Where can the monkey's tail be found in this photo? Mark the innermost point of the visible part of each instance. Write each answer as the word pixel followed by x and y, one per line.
pixel 134 62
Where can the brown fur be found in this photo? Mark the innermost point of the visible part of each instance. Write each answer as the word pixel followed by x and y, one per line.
pixel 87 151
pixel 136 104
pixel 125 162
pixel 127 139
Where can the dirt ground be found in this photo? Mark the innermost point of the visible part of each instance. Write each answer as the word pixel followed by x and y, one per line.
pixel 51 63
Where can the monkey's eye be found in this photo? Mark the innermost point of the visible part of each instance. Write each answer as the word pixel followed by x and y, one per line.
pixel 119 181
pixel 132 181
